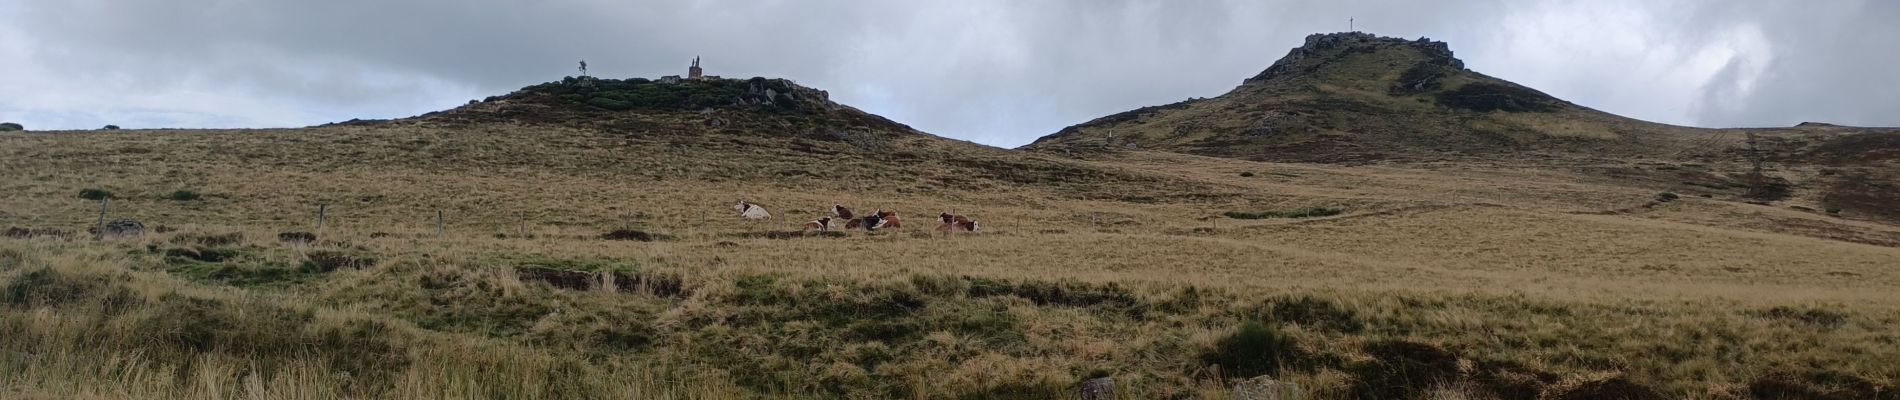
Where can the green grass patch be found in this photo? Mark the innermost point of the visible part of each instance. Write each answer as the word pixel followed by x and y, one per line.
pixel 95 194
pixel 183 195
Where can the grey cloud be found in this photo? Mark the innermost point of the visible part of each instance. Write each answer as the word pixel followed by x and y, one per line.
pixel 996 72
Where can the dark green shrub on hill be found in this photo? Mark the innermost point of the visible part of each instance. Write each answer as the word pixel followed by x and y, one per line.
pixel 10 127
pixel 183 195
pixel 1253 350
pixel 94 194
pixel 1483 96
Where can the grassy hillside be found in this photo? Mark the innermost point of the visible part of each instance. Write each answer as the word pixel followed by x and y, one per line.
pixel 1357 98
pixel 1441 281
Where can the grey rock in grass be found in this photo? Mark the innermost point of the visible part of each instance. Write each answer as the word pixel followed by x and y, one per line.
pixel 1102 388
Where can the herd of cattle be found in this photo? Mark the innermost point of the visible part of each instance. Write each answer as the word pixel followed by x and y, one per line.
pixel 948 223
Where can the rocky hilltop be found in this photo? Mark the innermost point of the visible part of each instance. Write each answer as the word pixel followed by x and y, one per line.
pixel 1357 97
pixel 766 106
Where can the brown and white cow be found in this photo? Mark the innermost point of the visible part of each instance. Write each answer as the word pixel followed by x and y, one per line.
pixel 838 211
pixel 952 223
pixel 819 225
pixel 890 219
pixel 869 223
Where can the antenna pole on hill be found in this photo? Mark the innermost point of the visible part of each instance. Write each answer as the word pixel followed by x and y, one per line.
pixel 1349 26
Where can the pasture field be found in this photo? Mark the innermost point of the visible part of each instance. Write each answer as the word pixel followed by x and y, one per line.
pixel 1438 281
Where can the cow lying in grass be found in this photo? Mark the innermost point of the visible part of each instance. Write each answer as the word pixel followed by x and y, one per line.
pixel 819 225
pixel 890 219
pixel 952 223
pixel 751 211
pixel 878 220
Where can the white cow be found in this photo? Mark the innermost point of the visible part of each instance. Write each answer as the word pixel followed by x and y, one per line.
pixel 751 211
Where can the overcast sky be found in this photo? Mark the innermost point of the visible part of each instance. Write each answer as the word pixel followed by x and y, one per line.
pixel 997 72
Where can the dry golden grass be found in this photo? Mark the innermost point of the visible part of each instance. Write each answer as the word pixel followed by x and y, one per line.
pixel 1102 266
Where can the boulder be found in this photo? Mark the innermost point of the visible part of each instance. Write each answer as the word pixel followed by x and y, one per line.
pixel 1102 388
pixel 120 227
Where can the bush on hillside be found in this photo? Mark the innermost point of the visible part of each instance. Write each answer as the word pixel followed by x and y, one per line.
pixel 1497 97
pixel 10 127
pixel 94 194
pixel 183 195
pixel 1253 350
pixel 111 127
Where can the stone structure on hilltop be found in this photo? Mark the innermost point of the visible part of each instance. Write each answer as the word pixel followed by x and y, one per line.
pixel 694 72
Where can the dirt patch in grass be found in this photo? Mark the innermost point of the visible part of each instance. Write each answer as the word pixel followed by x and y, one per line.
pixel 787 235
pixel 1614 387
pixel 1308 212
pixel 634 235
pixel 1402 369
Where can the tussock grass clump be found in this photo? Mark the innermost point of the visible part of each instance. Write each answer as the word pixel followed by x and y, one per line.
pixel 297 237
pixel 94 194
pixel 1810 316
pixel 1253 349
pixel 1308 212
pixel 1312 312
pixel 183 195
pixel 29 233
pixel 1402 369
pixel 242 267
pixel 1827 385
pixel 210 254
pixel 187 334
pixel 209 239
pixel 633 235
pixel 1609 387
pixel 332 260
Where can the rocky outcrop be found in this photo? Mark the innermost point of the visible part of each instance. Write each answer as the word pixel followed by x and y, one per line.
pixel 1324 48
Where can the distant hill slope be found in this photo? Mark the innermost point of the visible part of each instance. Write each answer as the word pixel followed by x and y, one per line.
pixel 1360 98
pixel 705 143
pixel 1354 97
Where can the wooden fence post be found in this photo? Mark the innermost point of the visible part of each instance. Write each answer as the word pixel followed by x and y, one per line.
pixel 320 209
pixel 99 227
pixel 438 223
